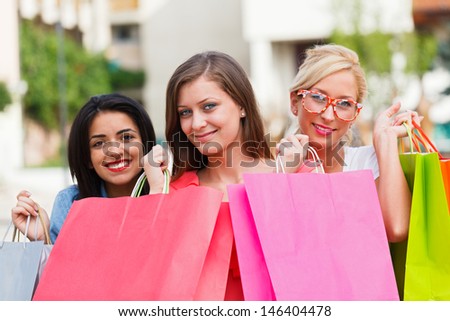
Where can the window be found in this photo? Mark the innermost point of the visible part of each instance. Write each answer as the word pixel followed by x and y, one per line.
pixel 125 33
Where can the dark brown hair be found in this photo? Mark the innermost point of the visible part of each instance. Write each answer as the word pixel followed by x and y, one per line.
pixel 79 156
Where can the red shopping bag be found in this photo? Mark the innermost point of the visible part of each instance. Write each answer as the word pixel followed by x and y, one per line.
pixel 445 169
pixel 147 248
pixel 256 283
pixel 212 284
pixel 322 235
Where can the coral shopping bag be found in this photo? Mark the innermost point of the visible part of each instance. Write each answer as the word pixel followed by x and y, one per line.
pixel 427 270
pixel 322 235
pixel 445 169
pixel 212 284
pixel 147 248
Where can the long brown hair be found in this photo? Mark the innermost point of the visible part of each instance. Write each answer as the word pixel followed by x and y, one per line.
pixel 226 72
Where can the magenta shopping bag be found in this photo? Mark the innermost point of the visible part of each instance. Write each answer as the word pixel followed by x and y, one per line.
pixel 322 235
pixel 256 283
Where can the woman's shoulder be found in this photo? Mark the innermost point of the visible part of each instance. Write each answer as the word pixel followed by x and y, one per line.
pixel 61 207
pixel 188 178
pixel 68 194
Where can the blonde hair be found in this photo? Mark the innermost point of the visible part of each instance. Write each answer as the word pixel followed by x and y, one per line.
pixel 324 60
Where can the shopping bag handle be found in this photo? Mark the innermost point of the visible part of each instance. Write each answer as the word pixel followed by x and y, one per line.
pixel 412 141
pixel 137 190
pixel 316 160
pixel 279 165
pixel 44 227
pixel 415 141
pixel 15 233
pixel 426 138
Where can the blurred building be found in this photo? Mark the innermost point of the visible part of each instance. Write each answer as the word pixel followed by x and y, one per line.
pixel 11 117
pixel 151 36
pixel 266 37
pixel 434 16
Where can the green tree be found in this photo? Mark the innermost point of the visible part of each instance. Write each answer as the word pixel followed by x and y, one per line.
pixel 420 50
pixel 373 49
pixel 5 97
pixel 86 74
pixel 125 79
pixel 377 48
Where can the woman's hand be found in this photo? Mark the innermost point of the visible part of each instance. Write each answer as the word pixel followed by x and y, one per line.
pixel 24 208
pixel 384 124
pixel 393 190
pixel 293 150
pixel 155 162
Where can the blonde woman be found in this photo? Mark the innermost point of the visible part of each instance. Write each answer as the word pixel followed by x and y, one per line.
pixel 326 97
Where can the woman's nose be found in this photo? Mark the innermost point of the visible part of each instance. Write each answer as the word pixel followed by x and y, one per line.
pixel 328 114
pixel 198 121
pixel 113 149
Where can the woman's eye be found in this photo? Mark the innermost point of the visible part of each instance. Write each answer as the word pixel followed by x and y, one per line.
pixel 318 97
pixel 345 104
pixel 127 137
pixel 184 112
pixel 209 106
pixel 98 144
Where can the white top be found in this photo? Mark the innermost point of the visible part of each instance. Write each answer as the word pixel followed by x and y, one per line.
pixel 359 158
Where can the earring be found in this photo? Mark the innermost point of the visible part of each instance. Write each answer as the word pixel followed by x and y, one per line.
pixel 295 111
pixel 242 114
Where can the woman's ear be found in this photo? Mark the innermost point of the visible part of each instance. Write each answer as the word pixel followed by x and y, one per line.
pixel 295 99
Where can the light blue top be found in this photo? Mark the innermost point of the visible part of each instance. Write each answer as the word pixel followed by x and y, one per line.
pixel 61 206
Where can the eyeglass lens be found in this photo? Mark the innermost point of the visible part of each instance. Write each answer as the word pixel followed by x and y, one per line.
pixel 345 109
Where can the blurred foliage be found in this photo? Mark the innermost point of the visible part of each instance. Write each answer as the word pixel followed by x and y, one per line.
pixel 420 50
pixel 444 51
pixel 5 97
pixel 86 74
pixel 125 79
pixel 375 49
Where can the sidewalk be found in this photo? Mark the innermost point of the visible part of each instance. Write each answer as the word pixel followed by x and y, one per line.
pixel 43 183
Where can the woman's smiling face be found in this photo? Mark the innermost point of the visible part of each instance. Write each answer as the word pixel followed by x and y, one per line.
pixel 325 129
pixel 209 117
pixel 116 148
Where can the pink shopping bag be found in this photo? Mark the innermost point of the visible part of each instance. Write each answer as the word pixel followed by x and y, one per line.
pixel 147 248
pixel 322 235
pixel 256 283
